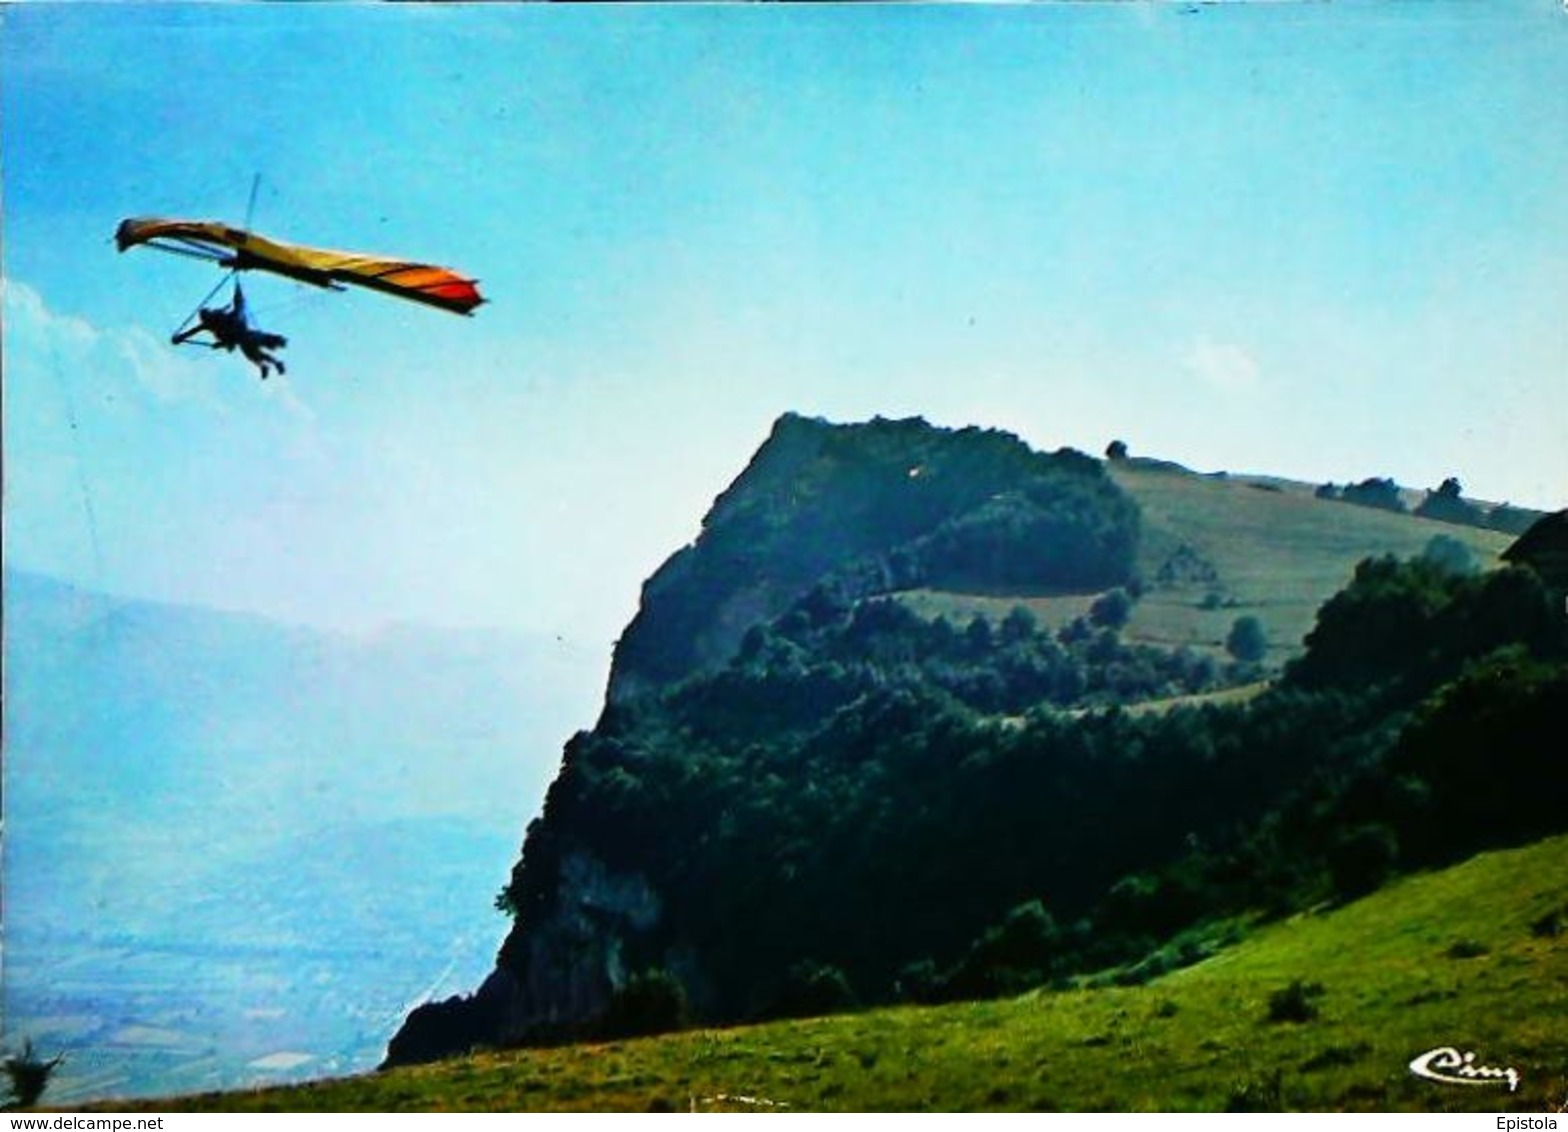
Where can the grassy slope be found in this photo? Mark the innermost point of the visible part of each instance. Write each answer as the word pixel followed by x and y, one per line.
pixel 1193 1040
pixel 1279 552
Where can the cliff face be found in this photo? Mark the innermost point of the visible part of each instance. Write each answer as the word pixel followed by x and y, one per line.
pixel 823 517
pixel 560 972
pixel 866 509
pixel 690 616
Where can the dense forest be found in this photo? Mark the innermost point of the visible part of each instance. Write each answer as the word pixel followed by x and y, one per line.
pixel 859 806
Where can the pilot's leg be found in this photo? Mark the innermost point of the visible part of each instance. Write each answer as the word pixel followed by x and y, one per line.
pixel 256 357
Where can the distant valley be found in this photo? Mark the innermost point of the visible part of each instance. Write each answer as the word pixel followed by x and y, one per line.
pixel 238 851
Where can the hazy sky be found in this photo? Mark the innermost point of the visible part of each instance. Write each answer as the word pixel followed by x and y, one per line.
pixel 1325 241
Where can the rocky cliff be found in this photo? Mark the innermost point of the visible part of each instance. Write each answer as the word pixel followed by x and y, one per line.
pixel 873 508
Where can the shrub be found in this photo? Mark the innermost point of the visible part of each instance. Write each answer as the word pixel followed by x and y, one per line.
pixel 814 989
pixel 649 1002
pixel 918 982
pixel 1448 553
pixel 29 1075
pixel 1111 609
pixel 1549 926
pixel 1294 1002
pixel 1010 957
pixel 1374 492
pixel 1361 860
pixel 1247 642
pixel 1446 505
pixel 1468 949
pixel 1261 1094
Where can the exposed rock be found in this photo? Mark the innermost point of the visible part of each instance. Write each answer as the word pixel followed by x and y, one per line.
pixel 554 976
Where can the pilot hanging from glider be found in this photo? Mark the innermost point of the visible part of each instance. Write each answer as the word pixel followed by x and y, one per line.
pixel 238 250
pixel 230 327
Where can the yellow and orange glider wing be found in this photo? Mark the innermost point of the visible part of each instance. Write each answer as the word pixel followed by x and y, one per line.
pixel 242 250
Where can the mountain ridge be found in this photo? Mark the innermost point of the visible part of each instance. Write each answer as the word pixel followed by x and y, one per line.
pixel 868 509
pixel 718 780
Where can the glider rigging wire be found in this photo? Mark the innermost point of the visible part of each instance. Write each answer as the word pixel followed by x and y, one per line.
pixel 83 489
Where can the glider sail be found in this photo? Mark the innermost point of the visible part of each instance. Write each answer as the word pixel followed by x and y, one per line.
pixel 240 250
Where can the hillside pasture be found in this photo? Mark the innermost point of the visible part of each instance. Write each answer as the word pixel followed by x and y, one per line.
pixel 1471 957
pixel 1216 547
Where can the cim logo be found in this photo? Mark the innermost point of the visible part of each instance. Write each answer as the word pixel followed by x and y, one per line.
pixel 1448 1065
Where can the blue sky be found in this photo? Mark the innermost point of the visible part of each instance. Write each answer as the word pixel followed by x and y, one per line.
pixel 1323 241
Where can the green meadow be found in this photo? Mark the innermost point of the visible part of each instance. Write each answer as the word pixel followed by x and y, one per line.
pixel 1250 547
pixel 1277 552
pixel 1322 1011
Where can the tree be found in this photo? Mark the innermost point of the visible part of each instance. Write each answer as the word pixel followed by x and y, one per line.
pixel 918 982
pixel 1116 450
pixel 814 989
pixel 1374 492
pixel 649 1002
pixel 1111 609
pixel 1247 641
pixel 1362 859
pixel 1020 624
pixel 1026 938
pixel 1450 554
pixel 29 1075
pixel 1510 519
pixel 1075 631
pixel 1444 503
pixel 1008 957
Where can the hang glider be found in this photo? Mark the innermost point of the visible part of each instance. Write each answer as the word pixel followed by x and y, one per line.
pixel 239 250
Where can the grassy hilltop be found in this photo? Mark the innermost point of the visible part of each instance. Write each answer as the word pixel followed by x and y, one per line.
pixel 1217 547
pixel 1474 956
